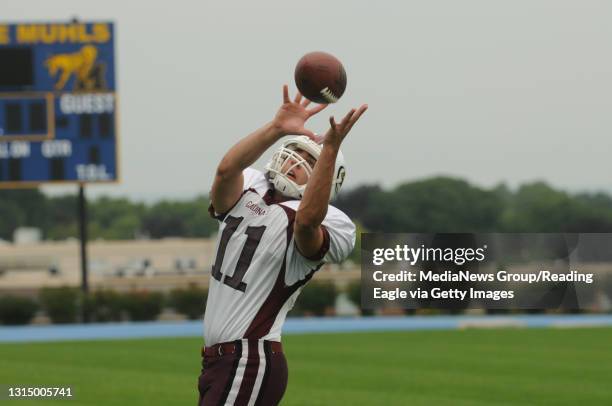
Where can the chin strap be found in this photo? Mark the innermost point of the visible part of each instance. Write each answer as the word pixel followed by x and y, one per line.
pixel 286 186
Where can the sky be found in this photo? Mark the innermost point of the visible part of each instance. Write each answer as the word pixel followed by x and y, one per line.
pixel 488 91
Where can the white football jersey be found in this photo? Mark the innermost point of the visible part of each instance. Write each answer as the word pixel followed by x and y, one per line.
pixel 258 272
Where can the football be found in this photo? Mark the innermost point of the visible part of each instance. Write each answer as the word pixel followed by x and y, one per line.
pixel 320 77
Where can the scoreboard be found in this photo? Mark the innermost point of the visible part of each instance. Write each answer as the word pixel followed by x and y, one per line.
pixel 58 104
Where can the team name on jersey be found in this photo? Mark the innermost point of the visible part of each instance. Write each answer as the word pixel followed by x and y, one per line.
pixel 255 209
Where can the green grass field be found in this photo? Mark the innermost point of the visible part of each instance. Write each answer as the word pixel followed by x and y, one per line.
pixel 471 367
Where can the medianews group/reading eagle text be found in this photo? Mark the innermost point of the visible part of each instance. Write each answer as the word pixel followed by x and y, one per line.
pixel 467 276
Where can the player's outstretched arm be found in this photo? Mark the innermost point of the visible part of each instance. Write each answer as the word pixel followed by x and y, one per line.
pixel 313 207
pixel 289 119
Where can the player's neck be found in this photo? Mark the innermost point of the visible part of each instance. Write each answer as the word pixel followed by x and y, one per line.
pixel 277 197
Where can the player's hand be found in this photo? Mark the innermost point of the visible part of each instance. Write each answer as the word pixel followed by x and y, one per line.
pixel 337 132
pixel 292 115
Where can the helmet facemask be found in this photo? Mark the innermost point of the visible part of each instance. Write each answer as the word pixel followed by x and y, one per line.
pixel 278 176
pixel 278 171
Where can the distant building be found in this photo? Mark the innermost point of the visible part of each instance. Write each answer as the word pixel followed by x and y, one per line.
pixel 27 235
pixel 112 264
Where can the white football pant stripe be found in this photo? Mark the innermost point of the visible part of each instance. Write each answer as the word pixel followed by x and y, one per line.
pixel 233 394
pixel 260 373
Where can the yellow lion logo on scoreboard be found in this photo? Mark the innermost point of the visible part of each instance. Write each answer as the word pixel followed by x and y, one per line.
pixel 79 64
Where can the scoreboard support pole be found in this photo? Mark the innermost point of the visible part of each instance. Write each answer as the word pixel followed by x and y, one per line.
pixel 84 261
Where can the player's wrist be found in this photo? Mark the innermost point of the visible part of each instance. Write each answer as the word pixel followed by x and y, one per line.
pixel 275 129
pixel 332 145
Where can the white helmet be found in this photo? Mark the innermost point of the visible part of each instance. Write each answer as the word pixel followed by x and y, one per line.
pixel 288 187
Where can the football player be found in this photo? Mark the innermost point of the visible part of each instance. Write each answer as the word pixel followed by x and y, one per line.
pixel 276 229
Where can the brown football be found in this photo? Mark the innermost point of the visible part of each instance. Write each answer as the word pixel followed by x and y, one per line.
pixel 320 77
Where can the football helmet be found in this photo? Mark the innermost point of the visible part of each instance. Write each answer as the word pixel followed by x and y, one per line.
pixel 284 184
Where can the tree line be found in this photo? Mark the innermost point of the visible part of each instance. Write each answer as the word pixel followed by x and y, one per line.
pixel 440 204
pixel 108 218
pixel 445 204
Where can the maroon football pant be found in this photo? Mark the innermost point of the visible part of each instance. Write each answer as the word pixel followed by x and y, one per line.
pixel 251 374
